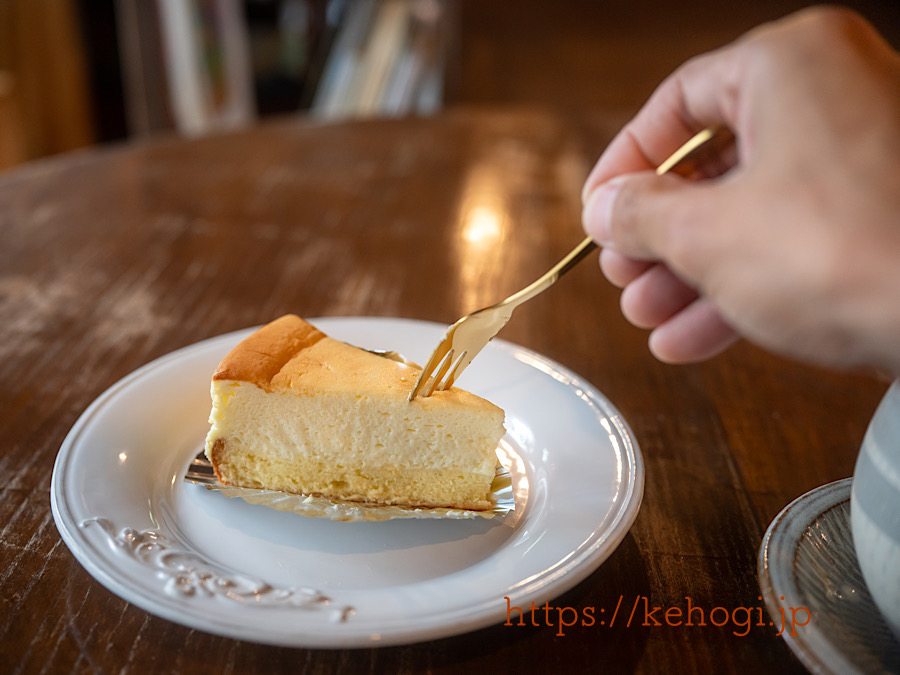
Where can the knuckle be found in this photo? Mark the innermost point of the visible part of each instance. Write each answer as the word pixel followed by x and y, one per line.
pixel 831 21
pixel 810 30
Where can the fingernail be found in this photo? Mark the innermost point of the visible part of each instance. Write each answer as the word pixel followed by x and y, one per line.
pixel 597 213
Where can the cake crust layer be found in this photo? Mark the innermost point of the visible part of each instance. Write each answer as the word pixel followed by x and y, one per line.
pixel 424 488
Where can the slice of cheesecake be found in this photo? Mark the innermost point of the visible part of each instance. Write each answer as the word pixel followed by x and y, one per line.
pixel 297 411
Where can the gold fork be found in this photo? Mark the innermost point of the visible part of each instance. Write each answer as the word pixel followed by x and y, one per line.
pixel 470 334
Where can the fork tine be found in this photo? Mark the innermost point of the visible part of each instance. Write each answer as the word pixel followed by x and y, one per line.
pixel 436 380
pixel 434 361
pixel 464 360
pixel 458 367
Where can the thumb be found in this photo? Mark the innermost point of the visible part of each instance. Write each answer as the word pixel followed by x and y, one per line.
pixel 643 215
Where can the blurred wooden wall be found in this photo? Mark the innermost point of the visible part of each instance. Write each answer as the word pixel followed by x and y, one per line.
pixel 45 103
pixel 585 55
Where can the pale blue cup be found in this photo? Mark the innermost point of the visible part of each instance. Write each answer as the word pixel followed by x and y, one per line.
pixel 875 507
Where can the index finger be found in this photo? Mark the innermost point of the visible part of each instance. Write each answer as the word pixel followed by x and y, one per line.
pixel 702 92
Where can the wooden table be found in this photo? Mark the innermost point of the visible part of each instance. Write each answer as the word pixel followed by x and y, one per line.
pixel 113 257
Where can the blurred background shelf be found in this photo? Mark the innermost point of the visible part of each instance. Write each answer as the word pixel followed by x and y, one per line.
pixel 79 72
pixel 198 66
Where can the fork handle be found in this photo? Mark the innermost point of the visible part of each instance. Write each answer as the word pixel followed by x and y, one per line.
pixel 710 139
pixel 547 280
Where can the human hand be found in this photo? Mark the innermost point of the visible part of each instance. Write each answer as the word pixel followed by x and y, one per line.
pixel 793 240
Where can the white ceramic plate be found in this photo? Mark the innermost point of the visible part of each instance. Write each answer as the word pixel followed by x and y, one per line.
pixel 248 572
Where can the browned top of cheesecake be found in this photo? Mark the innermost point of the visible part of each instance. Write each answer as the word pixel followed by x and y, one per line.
pixel 289 354
pixel 262 355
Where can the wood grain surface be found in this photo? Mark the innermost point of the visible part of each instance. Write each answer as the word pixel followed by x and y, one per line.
pixel 111 258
